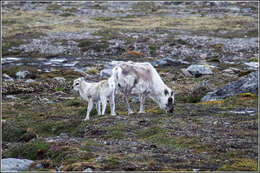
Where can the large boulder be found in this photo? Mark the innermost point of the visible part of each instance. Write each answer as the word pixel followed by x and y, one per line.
pixel 6 77
pixel 198 70
pixel 22 74
pixel 246 84
pixel 13 164
pixel 169 62
pixel 106 72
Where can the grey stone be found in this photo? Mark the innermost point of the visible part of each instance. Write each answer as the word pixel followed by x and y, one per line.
pixel 185 72
pixel 106 72
pixel 198 70
pixel 13 164
pixel 169 61
pixel 11 97
pixel 6 77
pixel 59 79
pixel 88 170
pixel 248 83
pixel 29 81
pixel 22 74
pixel 252 65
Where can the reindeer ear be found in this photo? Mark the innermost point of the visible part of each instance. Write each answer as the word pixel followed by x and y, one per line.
pixel 166 92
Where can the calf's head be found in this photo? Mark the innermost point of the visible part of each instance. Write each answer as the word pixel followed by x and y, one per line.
pixel 76 84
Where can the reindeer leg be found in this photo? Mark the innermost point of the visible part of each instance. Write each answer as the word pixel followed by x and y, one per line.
pixel 90 106
pixel 104 104
pixel 130 111
pixel 142 99
pixel 112 104
pixel 98 107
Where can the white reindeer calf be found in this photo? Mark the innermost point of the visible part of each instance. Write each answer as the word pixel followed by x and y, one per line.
pixel 96 92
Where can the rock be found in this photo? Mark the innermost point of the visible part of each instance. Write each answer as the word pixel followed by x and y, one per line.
pixel 114 63
pixel 106 72
pixel 29 81
pixel 13 164
pixel 198 70
pixel 61 79
pixel 88 170
pixel 6 77
pixel 10 60
pixel 246 84
pixel 252 65
pixel 11 97
pixel 46 101
pixel 169 61
pixel 185 72
pixel 22 74
pixel 203 56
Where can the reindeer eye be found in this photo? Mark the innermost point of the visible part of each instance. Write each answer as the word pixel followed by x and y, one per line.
pixel 77 83
pixel 172 93
pixel 166 92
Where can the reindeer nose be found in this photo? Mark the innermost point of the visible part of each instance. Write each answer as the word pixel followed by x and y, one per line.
pixel 170 100
pixel 171 110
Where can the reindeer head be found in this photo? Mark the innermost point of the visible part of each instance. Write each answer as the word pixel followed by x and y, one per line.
pixel 76 84
pixel 168 100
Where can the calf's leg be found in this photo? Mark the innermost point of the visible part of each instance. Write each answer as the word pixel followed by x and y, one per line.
pixel 104 105
pixel 90 106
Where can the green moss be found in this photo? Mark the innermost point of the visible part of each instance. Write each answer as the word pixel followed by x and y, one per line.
pixel 249 95
pixel 252 33
pixel 11 71
pixel 148 132
pixel 243 164
pixel 33 150
pixel 79 130
pixel 239 102
pixel 67 155
pixel 146 7
pixel 97 45
pixel 243 73
pixel 12 132
pixel 253 59
pixel 116 134
pixel 53 7
pixel 98 7
pixel 172 142
pixel 67 74
pixel 92 70
pixel 6 45
pixel 107 34
pixel 52 127
pixel 104 19
pixel 193 96
pixel 71 10
pixel 59 89
pixel 112 163
pixel 75 102
pixel 152 50
pixel 66 14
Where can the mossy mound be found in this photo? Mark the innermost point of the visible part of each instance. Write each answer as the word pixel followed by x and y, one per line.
pixel 34 150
